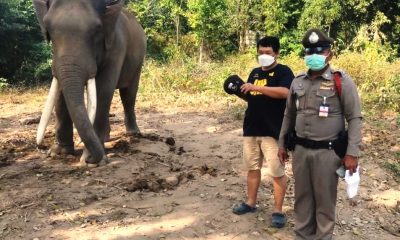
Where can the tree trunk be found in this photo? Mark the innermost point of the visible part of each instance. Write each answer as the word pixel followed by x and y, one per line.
pixel 201 52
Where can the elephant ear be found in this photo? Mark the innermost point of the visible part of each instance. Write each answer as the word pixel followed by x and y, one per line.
pixel 41 8
pixel 110 17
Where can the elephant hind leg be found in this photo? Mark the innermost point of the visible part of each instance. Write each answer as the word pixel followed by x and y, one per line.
pixel 128 98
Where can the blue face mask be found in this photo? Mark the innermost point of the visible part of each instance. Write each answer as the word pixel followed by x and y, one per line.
pixel 315 62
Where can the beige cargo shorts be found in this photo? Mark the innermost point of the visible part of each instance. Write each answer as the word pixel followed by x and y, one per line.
pixel 256 150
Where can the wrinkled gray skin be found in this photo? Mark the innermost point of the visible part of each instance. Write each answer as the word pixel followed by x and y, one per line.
pixel 92 39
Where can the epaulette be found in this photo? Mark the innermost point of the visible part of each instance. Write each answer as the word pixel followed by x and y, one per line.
pixel 303 74
pixel 339 71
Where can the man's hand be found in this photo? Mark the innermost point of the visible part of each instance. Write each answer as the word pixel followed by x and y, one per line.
pixel 247 87
pixel 350 163
pixel 283 156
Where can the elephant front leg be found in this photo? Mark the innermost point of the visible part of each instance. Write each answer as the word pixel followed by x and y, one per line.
pixel 64 144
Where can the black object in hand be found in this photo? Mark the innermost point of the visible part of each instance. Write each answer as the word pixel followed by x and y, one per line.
pixel 232 86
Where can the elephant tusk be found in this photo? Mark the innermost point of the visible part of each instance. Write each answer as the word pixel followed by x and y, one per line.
pixel 52 97
pixel 91 99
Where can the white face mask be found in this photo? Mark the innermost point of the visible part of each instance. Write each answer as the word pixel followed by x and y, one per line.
pixel 266 60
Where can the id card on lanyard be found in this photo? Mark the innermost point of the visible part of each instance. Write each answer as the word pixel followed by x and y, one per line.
pixel 324 109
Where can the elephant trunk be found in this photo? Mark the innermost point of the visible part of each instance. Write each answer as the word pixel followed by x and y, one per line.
pixel 72 85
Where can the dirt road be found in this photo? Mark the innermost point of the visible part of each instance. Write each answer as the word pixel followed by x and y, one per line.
pixel 179 180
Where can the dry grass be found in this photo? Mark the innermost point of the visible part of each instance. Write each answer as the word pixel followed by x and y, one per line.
pixel 16 101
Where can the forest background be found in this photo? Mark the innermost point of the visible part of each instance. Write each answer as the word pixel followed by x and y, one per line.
pixel 193 45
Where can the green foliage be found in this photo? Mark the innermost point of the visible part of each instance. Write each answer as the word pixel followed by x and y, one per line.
pixel 377 79
pixel 183 33
pixel 210 26
pixel 394 167
pixel 3 84
pixel 186 75
pixel 21 49
pixel 320 14
pixel 163 22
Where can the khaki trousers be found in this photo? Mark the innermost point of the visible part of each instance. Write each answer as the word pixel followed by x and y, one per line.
pixel 315 189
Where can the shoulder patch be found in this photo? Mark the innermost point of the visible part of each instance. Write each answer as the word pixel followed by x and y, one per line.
pixel 303 74
pixel 340 71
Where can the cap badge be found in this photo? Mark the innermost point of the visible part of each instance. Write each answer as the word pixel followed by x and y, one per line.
pixel 313 37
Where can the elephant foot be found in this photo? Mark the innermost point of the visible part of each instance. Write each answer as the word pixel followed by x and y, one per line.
pixel 84 160
pixel 103 162
pixel 58 149
pixel 133 132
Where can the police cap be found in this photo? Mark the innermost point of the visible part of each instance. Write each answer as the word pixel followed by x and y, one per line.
pixel 316 38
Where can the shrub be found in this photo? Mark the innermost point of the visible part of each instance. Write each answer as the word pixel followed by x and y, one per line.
pixel 377 79
pixel 3 84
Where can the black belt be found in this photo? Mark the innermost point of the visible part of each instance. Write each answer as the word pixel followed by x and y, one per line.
pixel 307 143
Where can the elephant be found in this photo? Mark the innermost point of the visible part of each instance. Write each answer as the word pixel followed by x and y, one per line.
pixel 98 45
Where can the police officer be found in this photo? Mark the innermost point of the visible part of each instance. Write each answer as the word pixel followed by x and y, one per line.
pixel 317 107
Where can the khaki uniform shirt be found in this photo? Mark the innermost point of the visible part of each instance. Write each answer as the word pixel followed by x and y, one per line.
pixel 303 106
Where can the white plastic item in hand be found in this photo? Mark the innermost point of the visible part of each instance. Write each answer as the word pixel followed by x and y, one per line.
pixel 352 182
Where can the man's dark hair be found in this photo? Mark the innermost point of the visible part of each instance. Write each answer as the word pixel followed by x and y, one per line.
pixel 272 42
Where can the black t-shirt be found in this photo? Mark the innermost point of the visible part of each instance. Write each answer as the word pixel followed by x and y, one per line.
pixel 264 114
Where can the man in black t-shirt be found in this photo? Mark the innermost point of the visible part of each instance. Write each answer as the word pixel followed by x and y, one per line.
pixel 266 91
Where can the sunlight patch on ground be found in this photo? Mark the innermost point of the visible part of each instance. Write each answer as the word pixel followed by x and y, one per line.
pixel 212 129
pixel 387 198
pixel 128 232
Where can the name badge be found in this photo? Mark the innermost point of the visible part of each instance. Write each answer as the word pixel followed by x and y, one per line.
pixel 323 109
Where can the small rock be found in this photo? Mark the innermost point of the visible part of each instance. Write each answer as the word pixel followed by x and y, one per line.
pixel 29 121
pixel 343 222
pixel 381 220
pixel 356 231
pixel 255 233
pixel 367 198
pixel 170 141
pixel 172 181
pixel 271 231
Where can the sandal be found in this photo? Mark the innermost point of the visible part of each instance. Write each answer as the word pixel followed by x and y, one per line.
pixel 243 208
pixel 278 220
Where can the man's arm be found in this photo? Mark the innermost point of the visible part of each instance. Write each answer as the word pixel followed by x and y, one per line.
pixel 273 92
pixel 352 111
pixel 288 123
